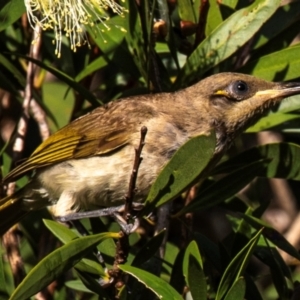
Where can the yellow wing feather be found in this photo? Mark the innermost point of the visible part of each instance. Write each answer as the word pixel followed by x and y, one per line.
pixel 99 132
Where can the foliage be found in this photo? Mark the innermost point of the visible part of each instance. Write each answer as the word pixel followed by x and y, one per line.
pixel 167 45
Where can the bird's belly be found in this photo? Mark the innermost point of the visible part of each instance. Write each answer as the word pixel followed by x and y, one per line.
pixel 99 181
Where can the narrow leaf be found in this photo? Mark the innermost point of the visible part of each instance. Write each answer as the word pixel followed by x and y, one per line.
pixel 182 170
pixel 91 284
pixel 149 249
pixel 237 291
pixel 11 12
pixel 226 39
pixel 65 78
pixel 65 235
pixel 57 263
pixel 193 272
pixel 3 286
pixel 273 235
pixel 278 269
pixel 236 267
pixel 285 62
pixel 224 188
pixel 158 286
pixel 271 121
pixel 282 158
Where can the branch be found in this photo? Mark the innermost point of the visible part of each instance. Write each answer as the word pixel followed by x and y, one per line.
pixel 132 183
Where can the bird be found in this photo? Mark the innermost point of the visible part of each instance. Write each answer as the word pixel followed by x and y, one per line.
pixel 86 165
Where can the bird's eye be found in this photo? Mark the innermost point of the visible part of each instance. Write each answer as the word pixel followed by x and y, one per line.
pixel 240 87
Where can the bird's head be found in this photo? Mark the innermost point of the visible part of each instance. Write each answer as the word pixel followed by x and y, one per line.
pixel 236 101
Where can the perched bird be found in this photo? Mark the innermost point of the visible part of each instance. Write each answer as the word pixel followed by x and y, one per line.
pixel 87 164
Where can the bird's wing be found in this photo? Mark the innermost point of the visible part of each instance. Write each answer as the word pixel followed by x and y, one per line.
pixel 89 135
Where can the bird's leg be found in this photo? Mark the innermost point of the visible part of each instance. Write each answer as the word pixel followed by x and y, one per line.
pixel 115 212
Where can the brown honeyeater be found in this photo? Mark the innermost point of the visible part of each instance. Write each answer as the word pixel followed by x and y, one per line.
pixel 86 165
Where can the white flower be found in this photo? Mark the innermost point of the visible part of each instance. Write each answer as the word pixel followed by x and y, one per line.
pixel 68 17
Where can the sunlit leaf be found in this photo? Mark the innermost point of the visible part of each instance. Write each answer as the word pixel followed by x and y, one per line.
pixel 271 121
pixel 233 33
pixel 285 63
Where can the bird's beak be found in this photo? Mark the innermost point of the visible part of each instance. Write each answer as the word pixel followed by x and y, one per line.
pixel 282 90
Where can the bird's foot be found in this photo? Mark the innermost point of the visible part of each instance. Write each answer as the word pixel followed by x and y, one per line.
pixel 115 212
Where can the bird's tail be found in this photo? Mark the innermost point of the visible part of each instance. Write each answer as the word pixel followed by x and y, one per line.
pixel 11 211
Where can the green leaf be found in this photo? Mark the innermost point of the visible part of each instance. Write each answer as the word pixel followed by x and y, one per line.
pixel 13 69
pixel 149 249
pixel 11 12
pixel 287 14
pixel 95 65
pixel 279 270
pixel 65 235
pixel 3 286
pixel 91 284
pixel 282 156
pixel 230 3
pixel 186 11
pixel 177 280
pixel 58 103
pixel 273 235
pixel 57 263
pixel 65 78
pixel 291 104
pixel 236 267
pixel 193 272
pixel 272 120
pixel 224 188
pixel 114 49
pixel 237 291
pixel 182 170
pixel 226 39
pixel 285 63
pixel 135 39
pixel 158 286
pixel 209 248
pixel 78 286
pixel 109 40
pixel 214 17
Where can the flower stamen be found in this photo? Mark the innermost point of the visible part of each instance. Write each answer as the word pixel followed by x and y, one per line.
pixel 69 18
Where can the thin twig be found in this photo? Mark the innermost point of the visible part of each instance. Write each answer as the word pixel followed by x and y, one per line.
pixel 22 125
pixel 122 244
pixel 10 239
pixel 41 118
pixel 132 183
